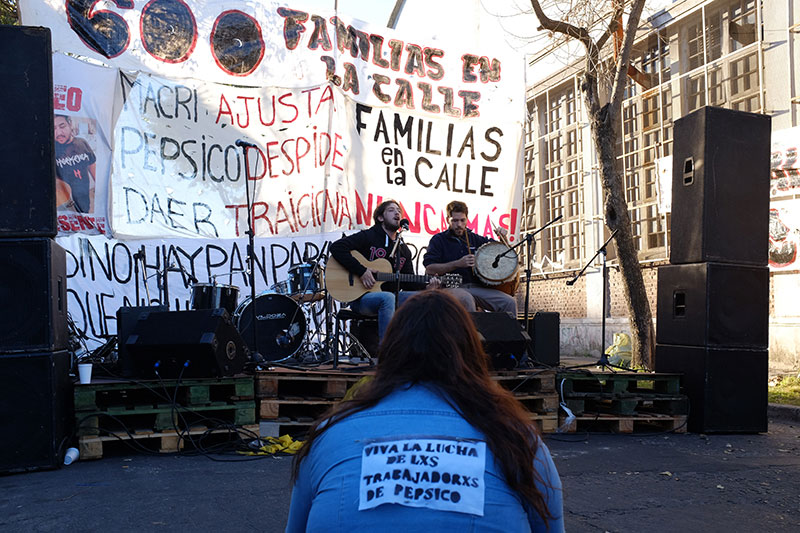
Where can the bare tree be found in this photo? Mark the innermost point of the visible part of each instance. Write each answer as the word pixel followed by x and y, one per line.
pixel 604 118
pixel 8 12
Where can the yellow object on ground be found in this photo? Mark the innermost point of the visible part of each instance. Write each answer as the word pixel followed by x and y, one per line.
pixel 619 353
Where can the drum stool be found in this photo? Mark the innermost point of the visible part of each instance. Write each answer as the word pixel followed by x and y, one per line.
pixel 362 333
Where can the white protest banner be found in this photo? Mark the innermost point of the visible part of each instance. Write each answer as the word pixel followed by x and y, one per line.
pixel 103 275
pixel 784 234
pixel 178 171
pixel 785 164
pixel 436 473
pixel 269 44
pixel 320 163
pixel 83 102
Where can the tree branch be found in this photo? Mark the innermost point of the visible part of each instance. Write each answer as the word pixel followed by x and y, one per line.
pixel 558 26
pixel 612 26
pixel 621 76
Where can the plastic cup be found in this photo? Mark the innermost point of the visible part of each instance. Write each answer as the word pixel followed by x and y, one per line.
pixel 85 373
pixel 71 456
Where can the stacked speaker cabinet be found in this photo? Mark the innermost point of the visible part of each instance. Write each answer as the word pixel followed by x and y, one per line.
pixel 713 299
pixel 35 388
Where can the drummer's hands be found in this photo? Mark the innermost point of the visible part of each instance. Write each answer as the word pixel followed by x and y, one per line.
pixel 501 232
pixel 367 279
pixel 468 261
pixel 434 283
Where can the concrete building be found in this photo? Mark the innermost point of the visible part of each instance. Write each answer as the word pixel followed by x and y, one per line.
pixel 737 54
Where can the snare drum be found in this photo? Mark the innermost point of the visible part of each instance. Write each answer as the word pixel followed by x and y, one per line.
pixel 214 296
pixel 280 325
pixel 494 270
pixel 305 284
pixel 281 287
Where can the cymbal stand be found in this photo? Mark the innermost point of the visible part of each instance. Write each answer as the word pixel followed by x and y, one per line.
pixel 286 337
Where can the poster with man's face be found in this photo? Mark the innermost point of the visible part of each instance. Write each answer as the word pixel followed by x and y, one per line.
pixel 76 164
pixel 82 103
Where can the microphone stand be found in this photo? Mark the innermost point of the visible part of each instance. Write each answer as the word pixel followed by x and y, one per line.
pixel 603 361
pixel 530 243
pixel 396 256
pixel 255 355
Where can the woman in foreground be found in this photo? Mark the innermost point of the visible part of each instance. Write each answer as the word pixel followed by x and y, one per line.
pixel 431 444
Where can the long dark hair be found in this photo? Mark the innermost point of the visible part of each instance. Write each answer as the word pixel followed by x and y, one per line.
pixel 432 339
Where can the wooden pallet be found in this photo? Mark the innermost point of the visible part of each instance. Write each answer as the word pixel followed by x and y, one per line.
pixel 164 416
pixel 96 446
pixel 293 408
pixel 523 382
pixel 615 383
pixel 100 395
pixel 609 423
pixel 298 427
pixel 580 403
pixel 311 384
pixel 163 405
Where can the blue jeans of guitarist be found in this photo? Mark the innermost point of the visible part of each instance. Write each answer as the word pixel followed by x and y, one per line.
pixel 380 304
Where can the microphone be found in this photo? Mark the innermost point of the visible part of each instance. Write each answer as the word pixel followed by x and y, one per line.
pixel 244 144
pixel 571 282
pixel 404 223
pixel 496 261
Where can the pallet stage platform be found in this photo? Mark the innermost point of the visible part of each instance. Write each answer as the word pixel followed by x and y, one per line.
pixel 622 402
pixel 198 439
pixel 161 415
pixel 290 400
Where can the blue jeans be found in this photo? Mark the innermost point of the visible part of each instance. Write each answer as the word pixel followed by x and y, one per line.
pixel 380 304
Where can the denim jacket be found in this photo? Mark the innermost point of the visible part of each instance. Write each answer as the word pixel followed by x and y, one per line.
pixel 327 493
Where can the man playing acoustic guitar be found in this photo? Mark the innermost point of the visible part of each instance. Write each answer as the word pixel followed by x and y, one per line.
pixel 453 250
pixel 373 244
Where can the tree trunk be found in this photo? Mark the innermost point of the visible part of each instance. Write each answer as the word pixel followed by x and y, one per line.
pixel 617 218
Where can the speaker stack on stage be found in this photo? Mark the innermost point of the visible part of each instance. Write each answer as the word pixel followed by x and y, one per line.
pixel 713 299
pixel 35 387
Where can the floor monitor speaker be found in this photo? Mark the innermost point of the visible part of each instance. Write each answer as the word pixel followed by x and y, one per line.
pixel 720 187
pixel 36 410
pixel 186 344
pixel 33 285
pixel 726 387
pixel 503 338
pixel 544 329
pixel 27 150
pixel 127 317
pixel 713 304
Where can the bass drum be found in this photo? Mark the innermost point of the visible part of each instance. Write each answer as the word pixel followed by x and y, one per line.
pixel 280 325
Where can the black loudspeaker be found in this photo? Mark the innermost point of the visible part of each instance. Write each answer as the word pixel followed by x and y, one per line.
pixel 720 187
pixel 713 304
pixel 726 387
pixel 502 337
pixel 127 317
pixel 544 329
pixel 36 410
pixel 366 331
pixel 185 344
pixel 27 152
pixel 33 285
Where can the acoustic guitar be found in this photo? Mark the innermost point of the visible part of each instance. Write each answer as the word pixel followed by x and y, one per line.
pixel 344 286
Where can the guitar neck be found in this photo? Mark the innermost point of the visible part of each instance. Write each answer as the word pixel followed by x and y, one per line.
pixel 404 278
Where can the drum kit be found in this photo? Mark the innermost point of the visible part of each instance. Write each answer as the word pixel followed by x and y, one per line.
pixel 286 314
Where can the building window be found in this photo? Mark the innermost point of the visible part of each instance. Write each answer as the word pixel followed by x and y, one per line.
pixel 722 67
pixel 558 189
